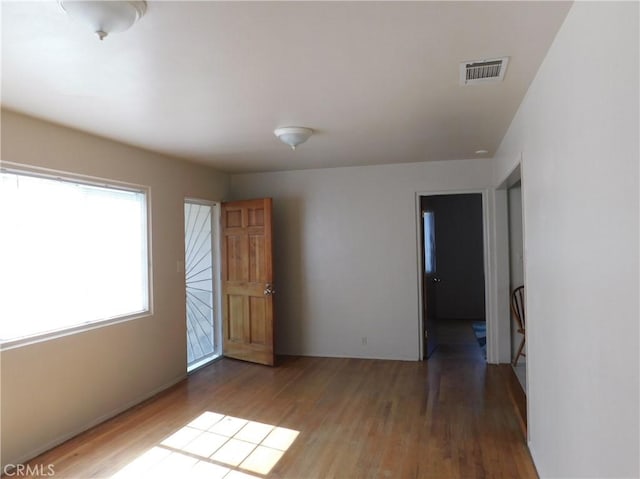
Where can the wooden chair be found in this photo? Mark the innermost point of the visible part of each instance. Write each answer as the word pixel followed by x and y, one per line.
pixel 517 308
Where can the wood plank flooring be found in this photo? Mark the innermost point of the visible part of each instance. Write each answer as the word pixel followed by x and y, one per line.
pixel 449 417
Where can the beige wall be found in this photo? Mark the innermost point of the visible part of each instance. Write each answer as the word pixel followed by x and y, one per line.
pixel 346 253
pixel 578 136
pixel 54 389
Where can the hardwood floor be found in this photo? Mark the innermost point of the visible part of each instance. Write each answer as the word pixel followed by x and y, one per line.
pixel 449 417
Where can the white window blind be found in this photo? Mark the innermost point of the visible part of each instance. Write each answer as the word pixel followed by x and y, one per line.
pixel 70 254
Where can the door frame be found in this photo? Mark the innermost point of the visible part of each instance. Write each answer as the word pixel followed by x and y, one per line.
pixel 494 331
pixel 216 276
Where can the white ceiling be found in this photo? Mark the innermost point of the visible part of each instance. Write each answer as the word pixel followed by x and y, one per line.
pixel 209 81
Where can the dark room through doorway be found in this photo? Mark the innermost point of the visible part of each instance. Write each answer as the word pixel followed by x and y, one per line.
pixel 452 263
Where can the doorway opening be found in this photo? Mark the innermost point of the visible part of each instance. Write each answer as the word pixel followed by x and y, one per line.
pixel 453 275
pixel 511 225
pixel 516 275
pixel 202 270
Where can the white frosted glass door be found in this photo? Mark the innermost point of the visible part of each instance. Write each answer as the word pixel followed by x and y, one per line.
pixel 203 343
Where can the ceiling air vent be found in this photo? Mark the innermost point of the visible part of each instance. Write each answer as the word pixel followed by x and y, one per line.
pixel 483 71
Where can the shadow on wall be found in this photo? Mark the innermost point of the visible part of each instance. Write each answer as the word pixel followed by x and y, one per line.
pixel 291 296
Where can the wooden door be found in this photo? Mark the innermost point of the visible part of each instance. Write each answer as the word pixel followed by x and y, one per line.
pixel 247 281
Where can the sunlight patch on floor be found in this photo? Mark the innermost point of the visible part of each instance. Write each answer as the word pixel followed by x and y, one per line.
pixel 214 446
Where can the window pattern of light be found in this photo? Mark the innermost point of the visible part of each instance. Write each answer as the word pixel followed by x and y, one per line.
pixel 214 446
pixel 70 254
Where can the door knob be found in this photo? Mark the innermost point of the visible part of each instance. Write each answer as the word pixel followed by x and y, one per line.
pixel 269 290
pixel 436 280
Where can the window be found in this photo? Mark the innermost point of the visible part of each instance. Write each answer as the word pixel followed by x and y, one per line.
pixel 71 254
pixel 428 221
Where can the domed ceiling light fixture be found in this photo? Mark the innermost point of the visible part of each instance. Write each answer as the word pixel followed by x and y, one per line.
pixel 105 17
pixel 293 135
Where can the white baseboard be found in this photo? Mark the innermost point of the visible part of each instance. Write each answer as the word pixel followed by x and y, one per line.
pixel 533 458
pixel 68 435
pixel 350 356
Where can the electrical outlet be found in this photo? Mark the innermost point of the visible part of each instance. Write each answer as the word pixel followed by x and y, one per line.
pixel 364 340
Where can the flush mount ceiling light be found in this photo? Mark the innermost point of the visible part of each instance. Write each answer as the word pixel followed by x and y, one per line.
pixel 293 135
pixel 105 17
